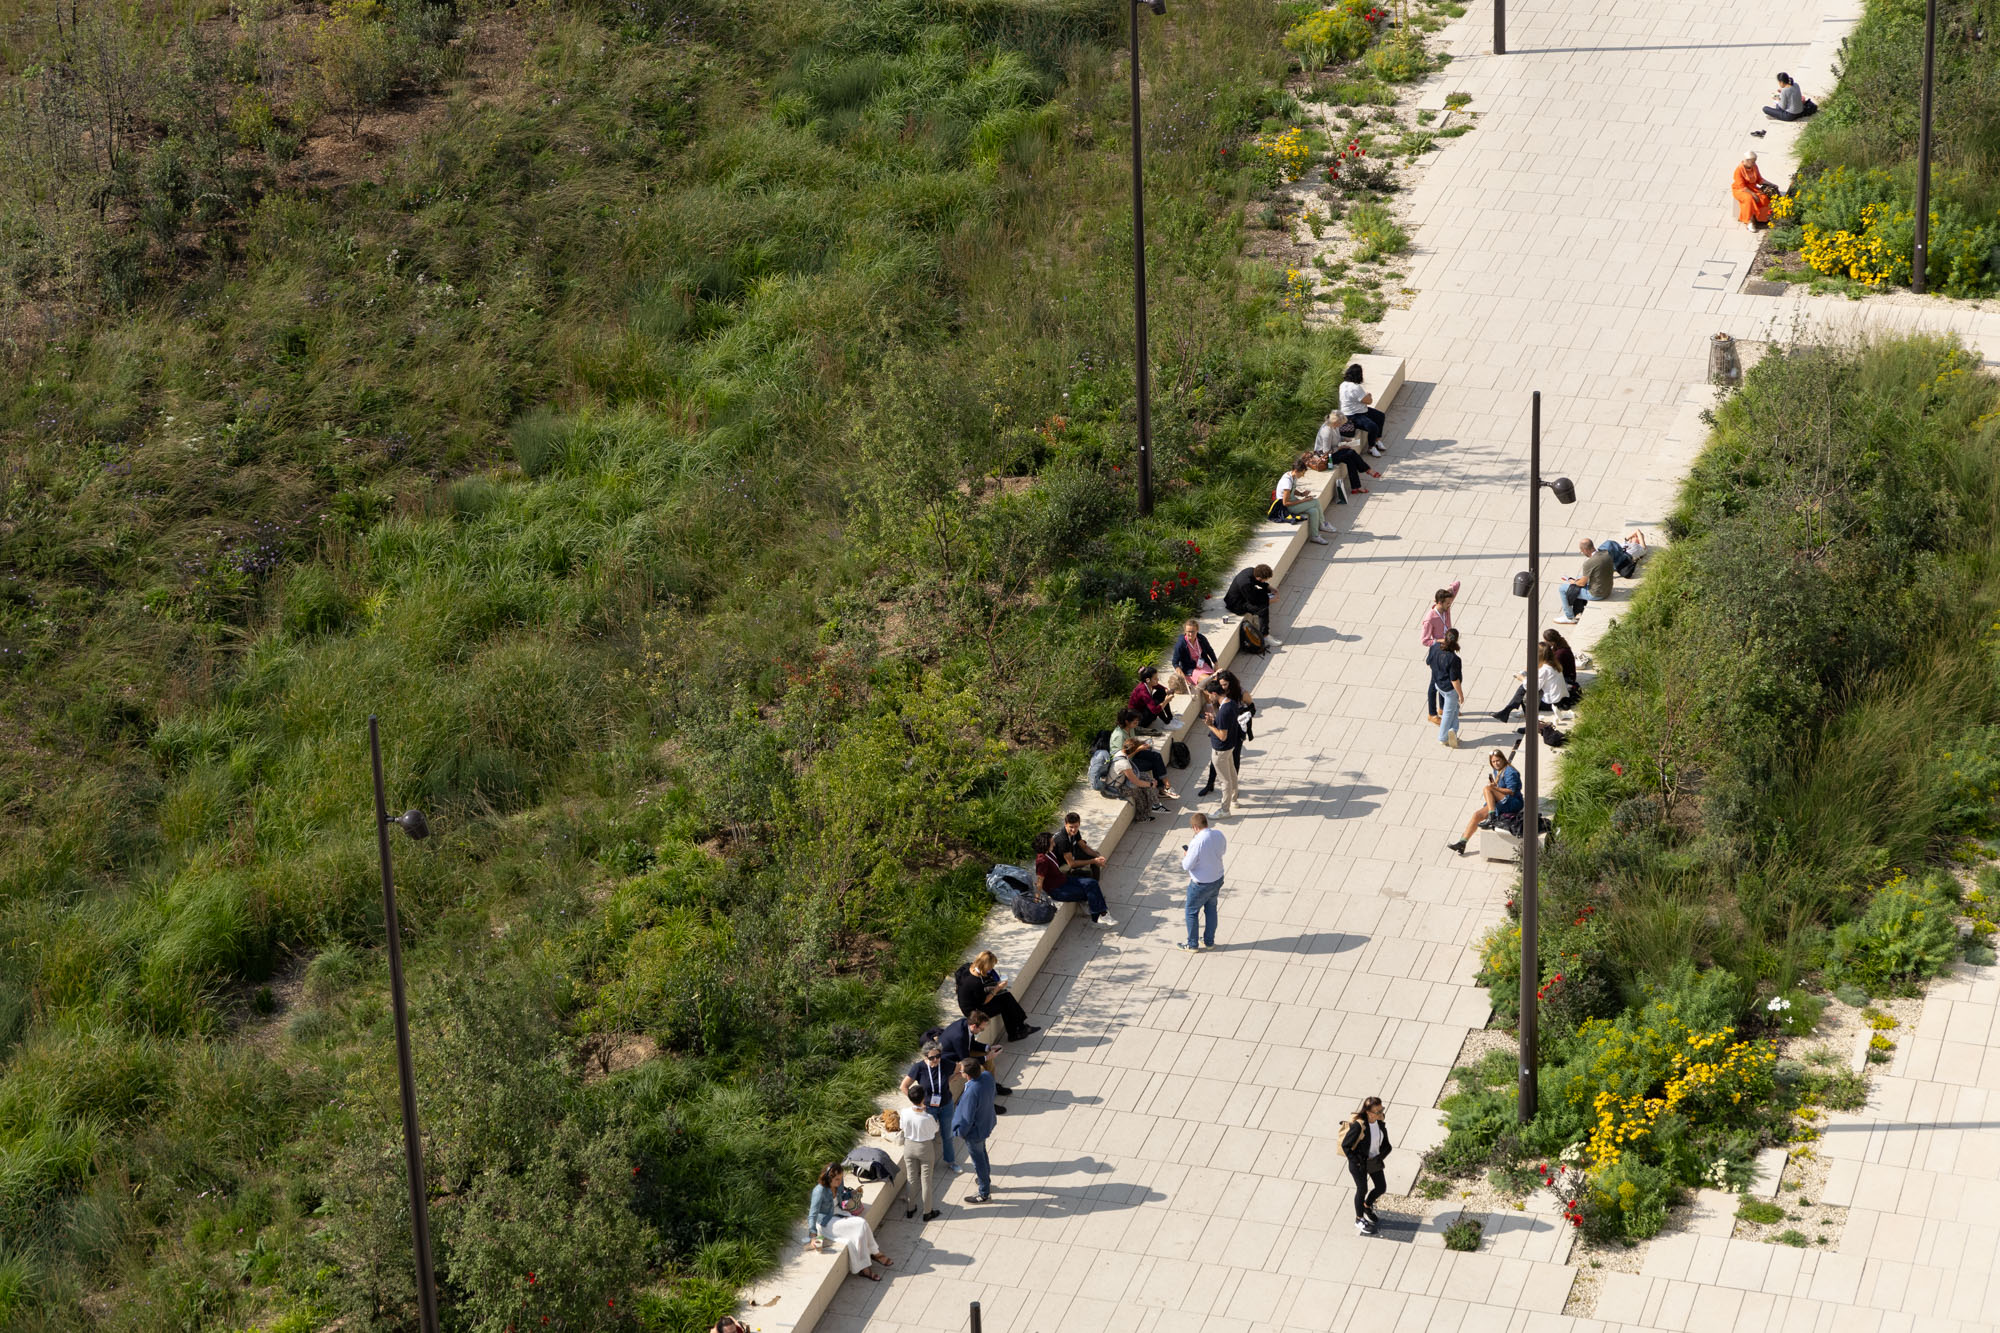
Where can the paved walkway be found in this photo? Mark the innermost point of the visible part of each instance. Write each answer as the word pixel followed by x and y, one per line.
pixel 1170 1162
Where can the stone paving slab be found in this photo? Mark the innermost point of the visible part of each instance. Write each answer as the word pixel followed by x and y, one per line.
pixel 1170 1162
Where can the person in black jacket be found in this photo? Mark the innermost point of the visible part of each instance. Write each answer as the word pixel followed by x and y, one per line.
pixel 1364 1141
pixel 960 1041
pixel 980 987
pixel 1249 596
pixel 1194 656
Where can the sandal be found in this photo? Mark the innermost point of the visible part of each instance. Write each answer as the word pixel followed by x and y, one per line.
pixel 871 1275
pixel 883 1260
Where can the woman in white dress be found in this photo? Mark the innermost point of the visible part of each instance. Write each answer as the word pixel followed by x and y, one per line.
pixel 830 1227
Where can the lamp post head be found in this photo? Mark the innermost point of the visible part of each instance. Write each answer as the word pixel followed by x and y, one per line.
pixel 1565 490
pixel 1524 583
pixel 413 823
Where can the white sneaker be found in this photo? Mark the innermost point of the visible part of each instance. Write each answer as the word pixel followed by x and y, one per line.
pixel 1271 640
pixel 1104 923
pixel 1451 738
pixel 1320 541
pixel 1328 527
pixel 1565 620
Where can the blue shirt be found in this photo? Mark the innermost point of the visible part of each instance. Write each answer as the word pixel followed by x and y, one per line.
pixel 822 1213
pixel 1510 782
pixel 973 1120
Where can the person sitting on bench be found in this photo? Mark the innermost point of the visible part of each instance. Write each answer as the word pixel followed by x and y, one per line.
pixel 1149 700
pixel 1149 761
pixel 1592 585
pixel 1336 454
pixel 1792 104
pixel 1503 797
pixel 1550 687
pixel 1357 405
pixel 1194 656
pixel 1291 501
pixel 1249 596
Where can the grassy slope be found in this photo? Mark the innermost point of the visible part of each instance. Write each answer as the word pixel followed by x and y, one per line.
pixel 626 448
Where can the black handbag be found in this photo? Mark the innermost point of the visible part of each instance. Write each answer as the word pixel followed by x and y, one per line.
pixel 1033 909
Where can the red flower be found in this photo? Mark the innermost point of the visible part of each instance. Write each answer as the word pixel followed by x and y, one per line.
pixel 531 1279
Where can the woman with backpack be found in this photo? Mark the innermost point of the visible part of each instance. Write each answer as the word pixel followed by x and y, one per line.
pixel 1364 1142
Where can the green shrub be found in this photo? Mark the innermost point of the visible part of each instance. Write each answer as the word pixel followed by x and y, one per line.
pixel 1337 33
pixel 1400 59
pixel 1795 1011
pixel 1850 994
pixel 1790 1236
pixel 1376 233
pixel 1905 935
pixel 1628 1202
pixel 1463 1234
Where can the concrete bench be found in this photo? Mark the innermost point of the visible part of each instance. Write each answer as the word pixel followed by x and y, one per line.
pixel 792 1299
pixel 1381 376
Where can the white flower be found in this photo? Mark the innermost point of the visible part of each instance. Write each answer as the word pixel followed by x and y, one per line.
pixel 1778 1004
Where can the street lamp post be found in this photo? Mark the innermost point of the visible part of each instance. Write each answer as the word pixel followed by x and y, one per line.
pixel 1139 274
pixel 1499 27
pixel 414 824
pixel 1528 584
pixel 1920 260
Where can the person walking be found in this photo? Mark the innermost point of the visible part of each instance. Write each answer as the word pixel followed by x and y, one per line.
pixel 1226 727
pixel 930 1078
pixel 1201 857
pixel 1448 680
pixel 1364 1141
pixel 973 1122
pixel 1436 621
pixel 920 1156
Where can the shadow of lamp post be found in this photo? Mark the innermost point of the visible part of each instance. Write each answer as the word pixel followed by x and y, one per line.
pixel 413 824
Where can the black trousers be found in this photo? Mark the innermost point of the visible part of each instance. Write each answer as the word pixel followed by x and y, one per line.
pixel 1520 701
pixel 1009 1011
pixel 1367 1174
pixel 1356 466
pixel 1370 423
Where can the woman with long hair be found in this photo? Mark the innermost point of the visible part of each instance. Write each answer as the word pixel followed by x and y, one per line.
pixel 830 1228
pixel 1364 1142
pixel 1565 662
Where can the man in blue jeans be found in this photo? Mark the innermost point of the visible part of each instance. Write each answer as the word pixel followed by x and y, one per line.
pixel 973 1121
pixel 1202 859
pixel 1593 586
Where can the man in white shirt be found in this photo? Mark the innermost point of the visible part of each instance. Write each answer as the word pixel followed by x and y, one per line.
pixel 1202 859
pixel 920 1156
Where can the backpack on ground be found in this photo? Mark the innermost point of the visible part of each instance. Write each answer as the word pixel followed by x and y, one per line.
pixel 1101 741
pixel 1552 737
pixel 1100 771
pixel 870 1164
pixel 1178 755
pixel 1006 883
pixel 1034 910
pixel 1249 639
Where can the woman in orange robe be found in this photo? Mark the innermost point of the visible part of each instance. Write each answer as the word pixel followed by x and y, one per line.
pixel 1753 194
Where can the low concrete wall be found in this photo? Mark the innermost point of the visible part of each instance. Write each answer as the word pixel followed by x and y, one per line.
pixel 792 1299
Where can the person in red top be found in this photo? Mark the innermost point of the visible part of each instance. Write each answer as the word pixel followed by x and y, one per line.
pixel 1067 888
pixel 1436 621
pixel 1153 712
